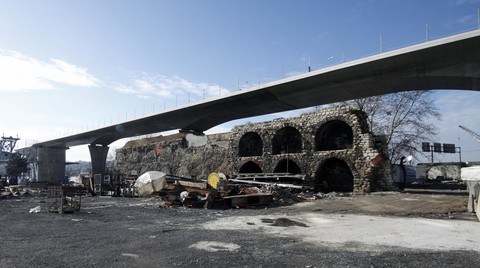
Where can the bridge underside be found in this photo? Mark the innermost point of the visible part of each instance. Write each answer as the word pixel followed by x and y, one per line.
pixel 448 63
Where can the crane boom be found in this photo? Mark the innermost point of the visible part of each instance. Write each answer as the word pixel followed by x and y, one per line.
pixel 475 135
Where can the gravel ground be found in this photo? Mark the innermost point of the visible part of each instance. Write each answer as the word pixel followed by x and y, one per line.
pixel 136 232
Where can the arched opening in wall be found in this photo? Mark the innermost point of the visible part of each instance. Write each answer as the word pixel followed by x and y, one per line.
pixel 250 145
pixel 287 140
pixel 250 167
pixel 334 175
pixel 334 135
pixel 287 166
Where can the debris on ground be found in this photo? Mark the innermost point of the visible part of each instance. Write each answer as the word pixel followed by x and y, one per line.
pixel 331 195
pixel 36 209
pixel 284 222
pixel 217 192
pixel 220 193
pixel 15 189
pixel 64 199
pixel 150 182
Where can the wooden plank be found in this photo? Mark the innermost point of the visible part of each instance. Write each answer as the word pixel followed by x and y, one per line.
pixel 200 185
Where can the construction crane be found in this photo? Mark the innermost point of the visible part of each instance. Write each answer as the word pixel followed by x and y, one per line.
pixel 475 135
pixel 7 144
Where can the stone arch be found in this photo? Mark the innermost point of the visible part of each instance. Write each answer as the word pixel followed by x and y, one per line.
pixel 250 144
pixel 334 175
pixel 287 140
pixel 334 135
pixel 250 167
pixel 287 166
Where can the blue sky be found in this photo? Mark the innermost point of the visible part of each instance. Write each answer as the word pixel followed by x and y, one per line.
pixel 69 66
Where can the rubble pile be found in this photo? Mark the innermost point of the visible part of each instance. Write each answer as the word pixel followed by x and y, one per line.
pixel 201 195
pixel 283 196
pixel 218 193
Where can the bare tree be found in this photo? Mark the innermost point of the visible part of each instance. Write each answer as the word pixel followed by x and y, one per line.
pixel 406 119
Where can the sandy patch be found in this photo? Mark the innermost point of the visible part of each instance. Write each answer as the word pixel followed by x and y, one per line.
pixel 214 246
pixel 359 232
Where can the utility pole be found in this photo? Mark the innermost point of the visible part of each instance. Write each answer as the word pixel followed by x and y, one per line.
pixel 426 31
pixel 381 44
pixel 431 150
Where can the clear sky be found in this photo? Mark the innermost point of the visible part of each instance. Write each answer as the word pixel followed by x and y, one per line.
pixel 69 66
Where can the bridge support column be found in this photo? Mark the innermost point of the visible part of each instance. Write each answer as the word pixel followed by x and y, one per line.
pixel 50 164
pixel 98 155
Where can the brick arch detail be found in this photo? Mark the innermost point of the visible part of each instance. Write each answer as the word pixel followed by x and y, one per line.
pixel 354 124
pixel 250 144
pixel 344 138
pixel 328 188
pixel 287 139
pixel 293 167
pixel 250 167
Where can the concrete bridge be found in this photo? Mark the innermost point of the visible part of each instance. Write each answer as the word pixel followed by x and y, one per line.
pixel 452 62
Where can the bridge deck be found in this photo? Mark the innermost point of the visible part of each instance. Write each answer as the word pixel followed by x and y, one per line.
pixel 448 63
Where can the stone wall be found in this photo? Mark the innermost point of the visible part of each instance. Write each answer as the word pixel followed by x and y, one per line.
pixel 183 154
pixel 332 147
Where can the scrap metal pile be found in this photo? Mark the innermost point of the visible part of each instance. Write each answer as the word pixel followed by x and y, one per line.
pixel 217 192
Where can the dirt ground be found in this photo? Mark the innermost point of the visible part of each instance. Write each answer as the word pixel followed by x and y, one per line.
pixel 418 227
pixel 427 203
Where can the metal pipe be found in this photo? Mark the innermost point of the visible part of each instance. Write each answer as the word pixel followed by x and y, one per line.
pixel 268 183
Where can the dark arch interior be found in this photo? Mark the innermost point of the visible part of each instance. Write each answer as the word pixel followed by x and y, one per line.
pixel 250 145
pixel 287 166
pixel 334 176
pixel 287 140
pixel 250 167
pixel 334 135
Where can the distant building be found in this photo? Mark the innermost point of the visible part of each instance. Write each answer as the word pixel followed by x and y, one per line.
pixel 441 171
